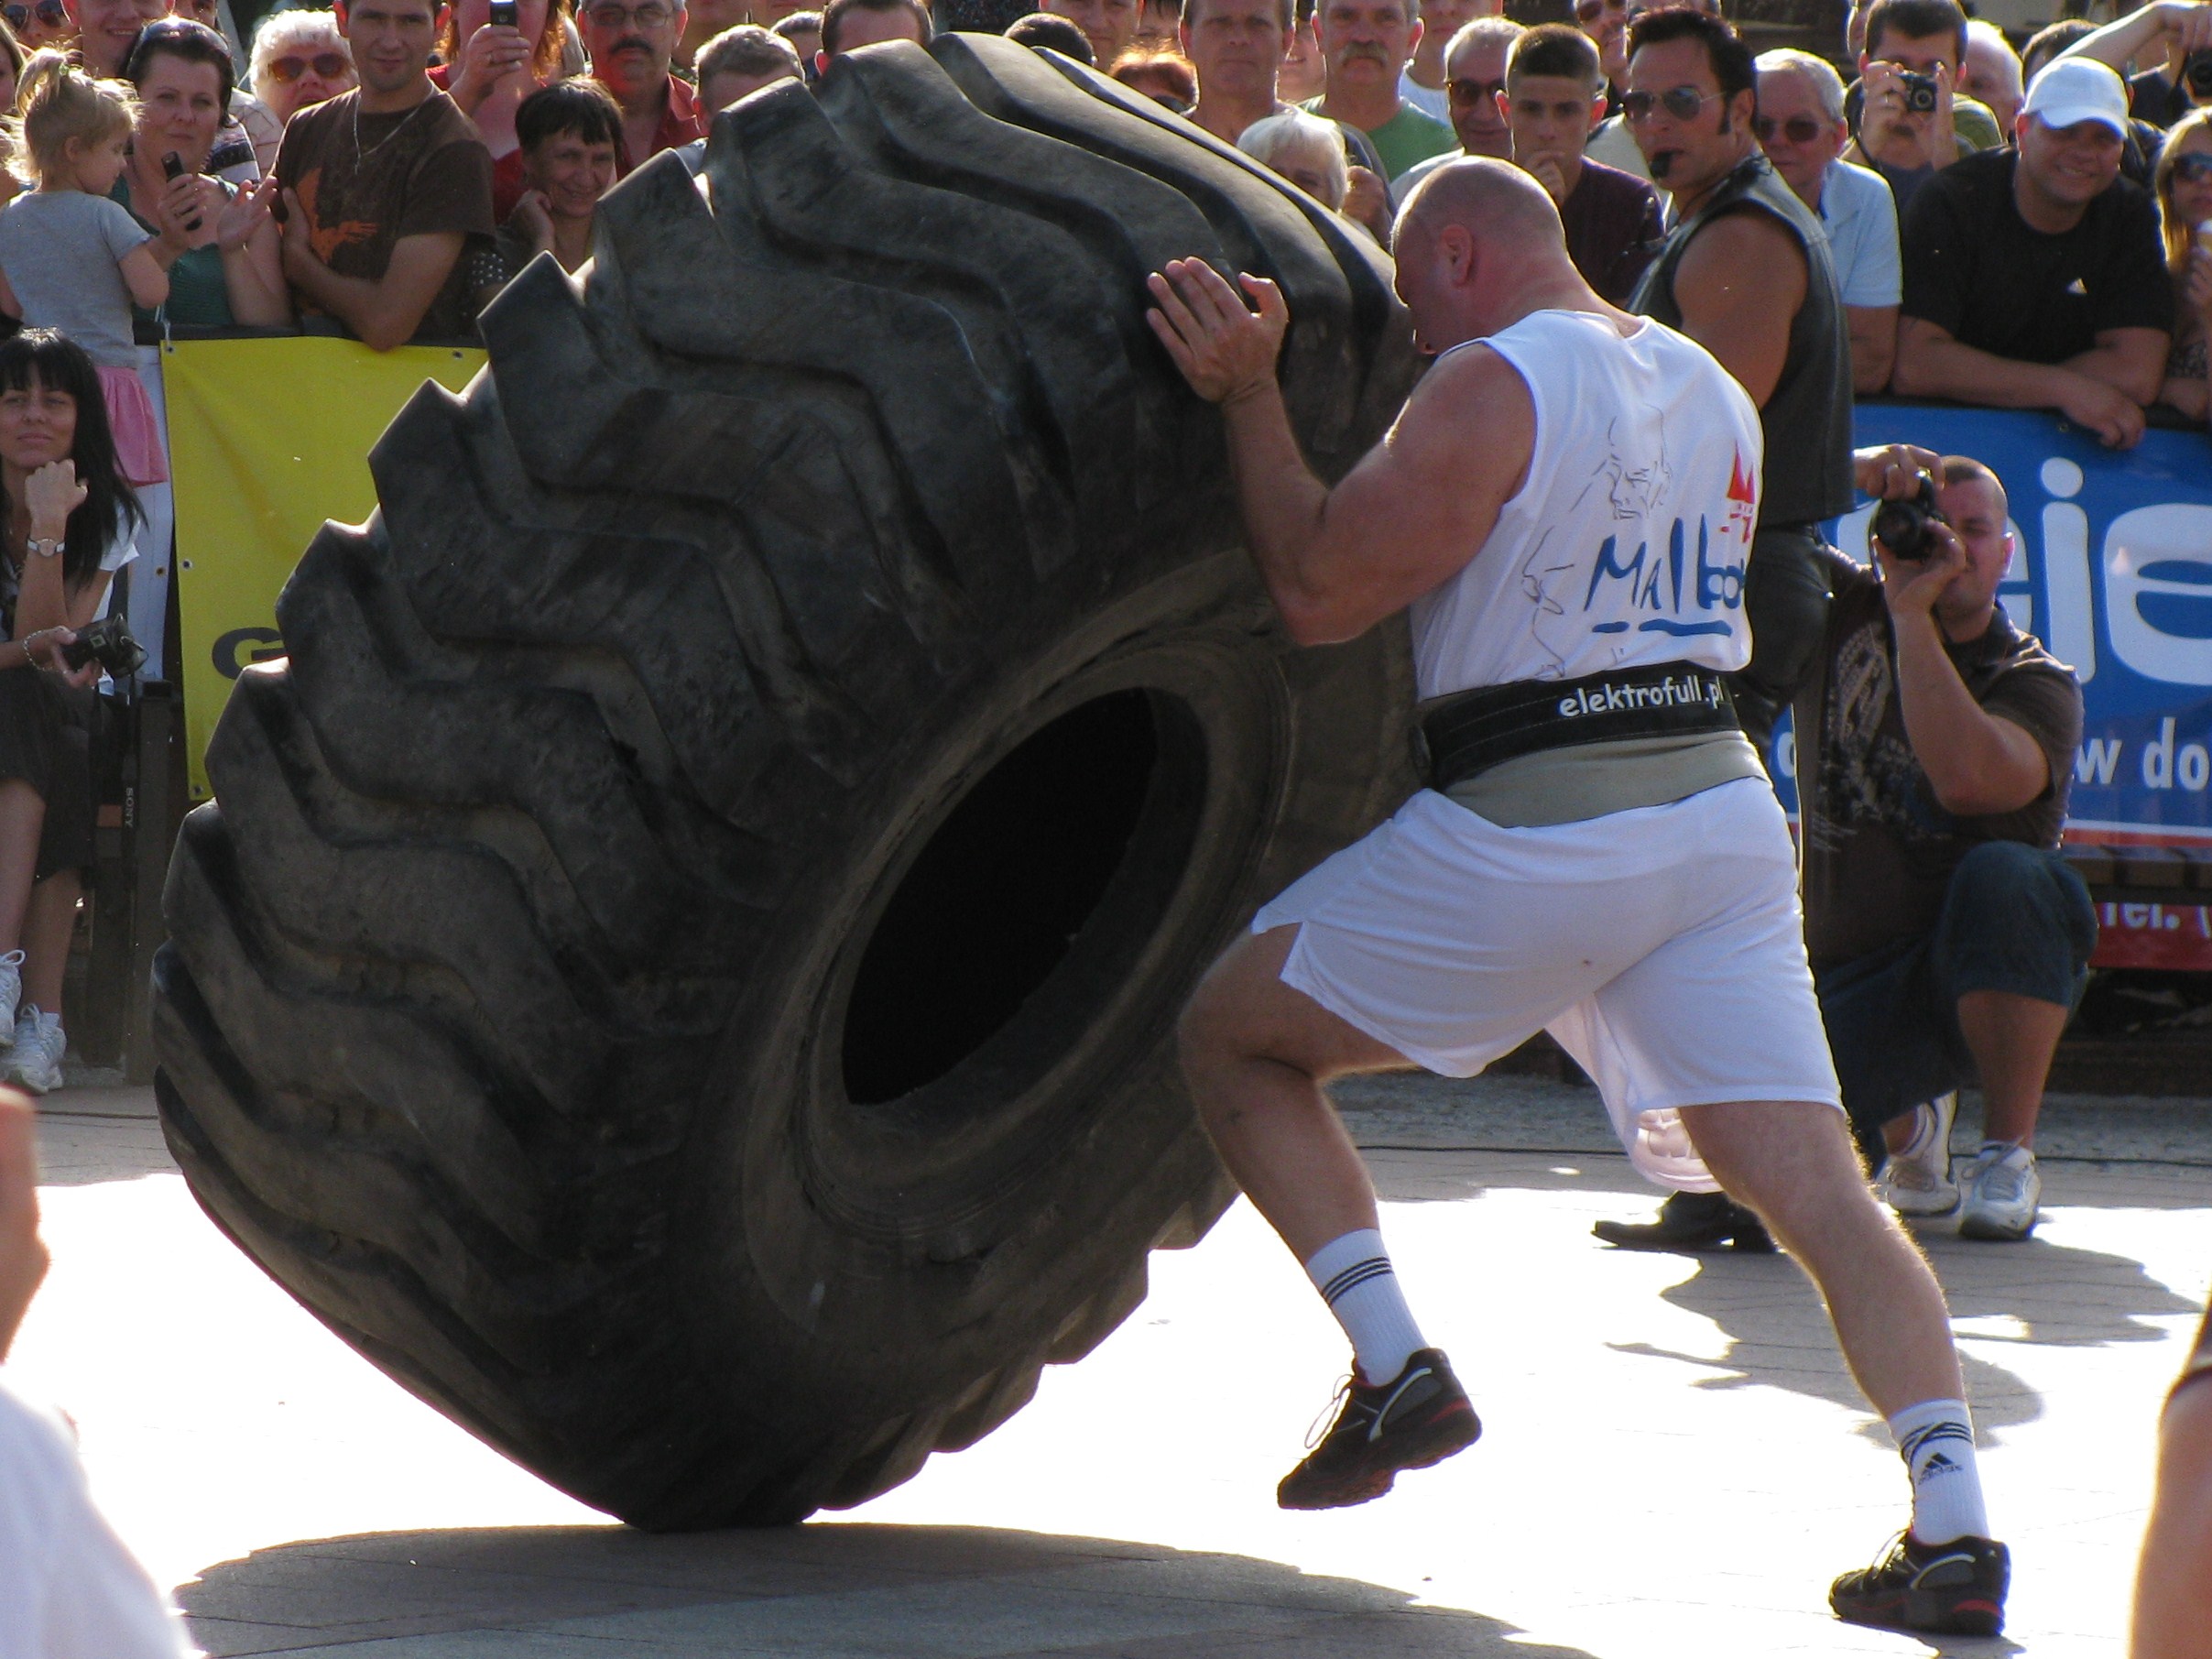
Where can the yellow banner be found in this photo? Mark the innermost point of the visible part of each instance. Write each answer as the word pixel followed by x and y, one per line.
pixel 268 439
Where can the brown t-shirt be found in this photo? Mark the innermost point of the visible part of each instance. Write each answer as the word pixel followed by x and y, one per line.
pixel 1878 850
pixel 366 182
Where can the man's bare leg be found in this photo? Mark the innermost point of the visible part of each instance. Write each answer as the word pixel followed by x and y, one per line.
pixel 1256 1053
pixel 2012 1038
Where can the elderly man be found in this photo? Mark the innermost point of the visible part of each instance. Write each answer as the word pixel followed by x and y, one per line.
pixel 2036 277
pixel 1366 45
pixel 1554 434
pixel 632 43
pixel 1801 126
pixel 1991 74
pixel 1476 66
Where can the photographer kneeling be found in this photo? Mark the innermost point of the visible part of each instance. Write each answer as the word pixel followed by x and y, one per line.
pixel 66 522
pixel 1949 940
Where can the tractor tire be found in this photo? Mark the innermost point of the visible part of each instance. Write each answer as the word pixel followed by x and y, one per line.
pixel 681 968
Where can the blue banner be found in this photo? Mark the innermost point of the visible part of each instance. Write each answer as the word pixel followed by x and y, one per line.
pixel 2112 570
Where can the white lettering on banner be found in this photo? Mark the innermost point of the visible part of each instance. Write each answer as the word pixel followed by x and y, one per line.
pixel 2158 758
pixel 2072 635
pixel 2094 761
pixel 2158 568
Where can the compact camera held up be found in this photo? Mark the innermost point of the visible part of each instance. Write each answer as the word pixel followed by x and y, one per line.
pixel 1901 524
pixel 1918 92
pixel 108 642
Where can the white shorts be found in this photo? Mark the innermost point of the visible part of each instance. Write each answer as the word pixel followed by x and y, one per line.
pixel 1662 947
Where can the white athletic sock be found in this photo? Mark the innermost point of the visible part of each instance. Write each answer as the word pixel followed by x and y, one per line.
pixel 1936 1440
pixel 1354 1278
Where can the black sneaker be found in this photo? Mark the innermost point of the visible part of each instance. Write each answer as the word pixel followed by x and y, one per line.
pixel 1419 1417
pixel 1692 1221
pixel 1955 1588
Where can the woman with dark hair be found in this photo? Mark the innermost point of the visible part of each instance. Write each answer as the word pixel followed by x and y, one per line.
pixel 571 132
pixel 216 240
pixel 490 67
pixel 67 519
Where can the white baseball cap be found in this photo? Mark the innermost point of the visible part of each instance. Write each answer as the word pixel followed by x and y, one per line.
pixel 2078 89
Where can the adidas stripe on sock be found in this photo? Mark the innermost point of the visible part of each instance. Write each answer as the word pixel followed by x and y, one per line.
pixel 1354 1278
pixel 1936 1440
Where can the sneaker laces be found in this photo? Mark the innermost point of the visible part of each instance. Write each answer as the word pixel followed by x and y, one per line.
pixel 1318 1430
pixel 2004 1179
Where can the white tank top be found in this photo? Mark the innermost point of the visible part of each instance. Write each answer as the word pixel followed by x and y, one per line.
pixel 1628 542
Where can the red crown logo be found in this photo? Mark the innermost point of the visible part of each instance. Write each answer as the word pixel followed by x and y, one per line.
pixel 1741 485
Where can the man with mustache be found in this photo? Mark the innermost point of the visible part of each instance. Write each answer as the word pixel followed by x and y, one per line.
pixel 632 43
pixel 1366 45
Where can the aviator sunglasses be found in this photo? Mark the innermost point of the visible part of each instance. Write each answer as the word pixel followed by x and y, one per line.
pixel 329 66
pixel 2194 167
pixel 1797 129
pixel 1682 102
pixel 49 13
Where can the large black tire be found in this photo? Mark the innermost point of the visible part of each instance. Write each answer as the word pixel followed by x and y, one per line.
pixel 681 968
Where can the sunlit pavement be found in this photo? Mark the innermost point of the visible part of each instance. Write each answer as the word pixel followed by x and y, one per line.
pixel 1674 1461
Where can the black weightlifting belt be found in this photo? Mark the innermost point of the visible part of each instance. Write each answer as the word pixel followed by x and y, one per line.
pixel 1468 733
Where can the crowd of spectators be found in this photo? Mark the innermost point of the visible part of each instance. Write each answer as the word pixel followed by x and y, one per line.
pixel 2011 222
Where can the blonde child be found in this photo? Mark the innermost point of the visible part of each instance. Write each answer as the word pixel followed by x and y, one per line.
pixel 72 259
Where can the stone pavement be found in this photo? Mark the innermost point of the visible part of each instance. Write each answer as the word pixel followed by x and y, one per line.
pixel 1674 1461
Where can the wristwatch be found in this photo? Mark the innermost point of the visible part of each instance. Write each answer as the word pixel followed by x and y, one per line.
pixel 46 547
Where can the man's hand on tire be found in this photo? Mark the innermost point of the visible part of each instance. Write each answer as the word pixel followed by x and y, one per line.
pixel 1225 349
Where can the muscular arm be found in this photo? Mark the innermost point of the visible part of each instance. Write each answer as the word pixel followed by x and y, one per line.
pixel 1930 363
pixel 1873 345
pixel 1738 287
pixel 1407 518
pixel 383 312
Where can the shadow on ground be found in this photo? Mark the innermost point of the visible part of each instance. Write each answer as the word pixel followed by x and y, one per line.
pixel 808 1592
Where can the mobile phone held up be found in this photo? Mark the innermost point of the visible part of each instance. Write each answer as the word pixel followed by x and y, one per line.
pixel 504 12
pixel 172 167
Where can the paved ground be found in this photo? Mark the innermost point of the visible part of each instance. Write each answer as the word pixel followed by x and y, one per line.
pixel 1674 1463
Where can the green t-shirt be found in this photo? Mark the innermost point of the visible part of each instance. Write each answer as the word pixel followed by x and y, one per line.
pixel 198 297
pixel 1406 139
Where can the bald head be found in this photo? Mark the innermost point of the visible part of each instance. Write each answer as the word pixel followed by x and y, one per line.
pixel 1478 247
pixel 1493 201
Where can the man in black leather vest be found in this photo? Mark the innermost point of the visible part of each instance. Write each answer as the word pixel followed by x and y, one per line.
pixel 1746 273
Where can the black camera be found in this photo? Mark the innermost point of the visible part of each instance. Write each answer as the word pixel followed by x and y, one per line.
pixel 2197 72
pixel 1901 524
pixel 1918 92
pixel 108 642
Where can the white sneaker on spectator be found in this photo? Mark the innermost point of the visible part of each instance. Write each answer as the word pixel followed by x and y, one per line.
pixel 1917 1181
pixel 11 993
pixel 35 1061
pixel 2002 1194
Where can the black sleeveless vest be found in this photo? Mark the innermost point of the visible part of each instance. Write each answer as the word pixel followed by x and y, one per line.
pixel 1807 421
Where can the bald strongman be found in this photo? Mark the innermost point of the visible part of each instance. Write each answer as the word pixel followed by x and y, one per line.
pixel 1566 505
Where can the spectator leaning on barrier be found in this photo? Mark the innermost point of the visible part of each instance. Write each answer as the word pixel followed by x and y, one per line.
pixel 2185 210
pixel 1110 26
pixel 2036 277
pixel 1554 97
pixel 1991 74
pixel 849 25
pixel 739 61
pixel 1366 45
pixel 1801 128
pixel 66 525
pixel 1911 118
pixel 1690 101
pixel 70 257
pixel 631 43
pixel 570 132
pixel 1424 83
pixel 488 69
pixel 2169 32
pixel 384 188
pixel 217 241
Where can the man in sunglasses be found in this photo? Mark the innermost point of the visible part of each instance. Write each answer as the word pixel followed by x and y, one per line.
pixel 1596 850
pixel 1801 126
pixel 632 43
pixel 1424 86
pixel 1690 100
pixel 1475 66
